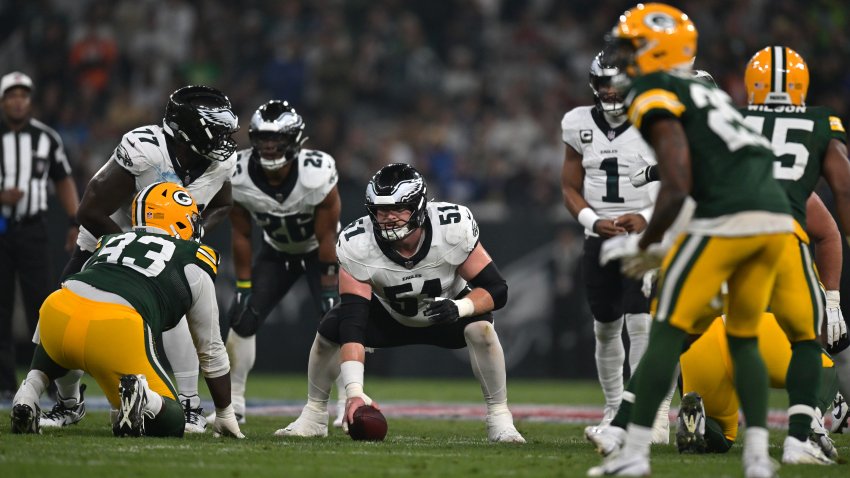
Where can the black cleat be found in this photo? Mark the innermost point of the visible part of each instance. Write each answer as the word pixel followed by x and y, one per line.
pixel 131 418
pixel 690 435
pixel 25 419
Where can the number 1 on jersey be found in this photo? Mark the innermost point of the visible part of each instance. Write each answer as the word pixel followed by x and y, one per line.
pixel 612 182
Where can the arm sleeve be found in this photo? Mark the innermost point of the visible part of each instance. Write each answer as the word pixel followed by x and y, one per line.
pixel 353 315
pixel 203 323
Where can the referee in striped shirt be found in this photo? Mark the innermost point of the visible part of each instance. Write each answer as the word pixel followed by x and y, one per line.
pixel 30 154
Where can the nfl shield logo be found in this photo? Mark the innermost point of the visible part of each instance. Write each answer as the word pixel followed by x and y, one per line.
pixel 611 135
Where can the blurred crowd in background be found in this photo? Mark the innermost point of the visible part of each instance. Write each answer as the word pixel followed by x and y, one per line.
pixel 469 91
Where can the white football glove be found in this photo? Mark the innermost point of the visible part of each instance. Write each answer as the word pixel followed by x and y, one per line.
pixel 836 328
pixel 225 423
pixel 640 177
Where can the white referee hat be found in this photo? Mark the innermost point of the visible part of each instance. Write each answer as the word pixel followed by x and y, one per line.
pixel 13 79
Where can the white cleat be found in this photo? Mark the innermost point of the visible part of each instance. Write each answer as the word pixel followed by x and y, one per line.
pixel 760 467
pixel 196 422
pixel 501 429
pixel 821 437
pixel 840 414
pixel 796 452
pixel 621 464
pixel 606 440
pixel 309 424
pixel 340 413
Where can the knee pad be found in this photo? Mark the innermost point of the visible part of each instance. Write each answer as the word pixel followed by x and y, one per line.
pixel 480 333
pixel 246 322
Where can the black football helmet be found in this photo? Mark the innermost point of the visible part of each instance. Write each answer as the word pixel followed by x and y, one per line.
pixel 399 186
pixel 201 118
pixel 601 74
pixel 276 122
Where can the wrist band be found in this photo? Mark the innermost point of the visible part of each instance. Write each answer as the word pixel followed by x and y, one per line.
pixel 243 284
pixel 587 217
pixel 329 268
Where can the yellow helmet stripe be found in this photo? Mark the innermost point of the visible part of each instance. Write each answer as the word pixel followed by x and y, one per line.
pixel 651 99
pixel 205 259
pixel 778 63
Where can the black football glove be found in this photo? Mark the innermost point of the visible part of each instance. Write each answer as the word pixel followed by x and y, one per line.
pixel 330 298
pixel 442 311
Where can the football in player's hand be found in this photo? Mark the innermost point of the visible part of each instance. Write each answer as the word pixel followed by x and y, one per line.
pixel 369 424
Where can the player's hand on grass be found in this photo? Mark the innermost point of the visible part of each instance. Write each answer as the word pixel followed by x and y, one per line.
pixel 226 424
pixel 352 404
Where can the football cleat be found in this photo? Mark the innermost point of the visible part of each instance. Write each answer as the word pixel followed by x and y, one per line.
pixel 501 429
pixel 61 415
pixel 760 467
pixel 340 413
pixel 796 452
pixel 606 440
pixel 621 464
pixel 821 437
pixel 25 419
pixel 690 435
pixel 840 414
pixel 196 422
pixel 310 423
pixel 131 418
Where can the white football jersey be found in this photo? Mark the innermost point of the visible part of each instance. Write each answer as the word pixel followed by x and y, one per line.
pixel 285 212
pixel 144 154
pixel 609 155
pixel 405 287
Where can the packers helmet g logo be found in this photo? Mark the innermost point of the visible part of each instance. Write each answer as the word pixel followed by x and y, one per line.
pixel 182 197
pixel 659 21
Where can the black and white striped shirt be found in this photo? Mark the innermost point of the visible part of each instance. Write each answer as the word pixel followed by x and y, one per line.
pixel 27 159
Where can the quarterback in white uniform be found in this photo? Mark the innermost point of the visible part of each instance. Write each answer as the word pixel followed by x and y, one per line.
pixel 602 149
pixel 291 193
pixel 193 147
pixel 412 272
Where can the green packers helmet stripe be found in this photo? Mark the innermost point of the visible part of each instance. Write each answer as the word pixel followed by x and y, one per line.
pixel 778 63
pixel 678 272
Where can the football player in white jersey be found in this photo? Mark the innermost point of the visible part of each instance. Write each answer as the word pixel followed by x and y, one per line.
pixel 602 148
pixel 412 272
pixel 291 193
pixel 193 147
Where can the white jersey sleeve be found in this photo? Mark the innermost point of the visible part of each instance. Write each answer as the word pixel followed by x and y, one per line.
pixel 317 174
pixel 202 319
pixel 458 230
pixel 357 250
pixel 609 156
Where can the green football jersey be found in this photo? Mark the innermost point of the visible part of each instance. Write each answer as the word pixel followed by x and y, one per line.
pixel 147 270
pixel 800 136
pixel 732 165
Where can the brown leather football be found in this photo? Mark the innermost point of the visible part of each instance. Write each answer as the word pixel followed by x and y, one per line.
pixel 369 424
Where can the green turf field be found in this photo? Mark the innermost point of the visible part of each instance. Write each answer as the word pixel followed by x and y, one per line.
pixel 415 448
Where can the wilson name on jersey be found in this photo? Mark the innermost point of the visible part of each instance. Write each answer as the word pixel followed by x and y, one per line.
pixel 406 287
pixel 731 165
pixel 285 212
pixel 144 154
pixel 147 270
pixel 800 136
pixel 609 156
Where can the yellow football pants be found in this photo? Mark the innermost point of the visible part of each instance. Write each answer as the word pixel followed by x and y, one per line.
pixel 696 267
pixel 707 369
pixel 797 301
pixel 105 340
